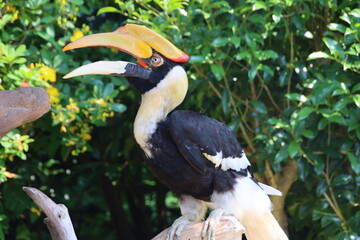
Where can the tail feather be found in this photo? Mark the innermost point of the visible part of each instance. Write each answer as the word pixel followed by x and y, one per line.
pixel 264 227
pixel 252 207
pixel 270 190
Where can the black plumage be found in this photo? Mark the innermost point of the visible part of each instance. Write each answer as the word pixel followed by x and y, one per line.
pixel 177 157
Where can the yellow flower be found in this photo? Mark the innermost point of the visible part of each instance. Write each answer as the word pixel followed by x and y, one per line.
pixel 63 128
pixel 54 95
pixel 10 8
pixel 86 28
pixel 70 143
pixel 47 73
pixel 63 3
pixel 115 50
pixel 34 210
pixel 100 102
pixel 73 129
pixel 15 16
pixel 104 115
pixel 73 107
pixel 86 136
pixel 76 35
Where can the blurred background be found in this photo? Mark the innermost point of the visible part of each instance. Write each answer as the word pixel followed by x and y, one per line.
pixel 283 74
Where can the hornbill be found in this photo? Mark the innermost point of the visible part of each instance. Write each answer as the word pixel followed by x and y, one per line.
pixel 197 157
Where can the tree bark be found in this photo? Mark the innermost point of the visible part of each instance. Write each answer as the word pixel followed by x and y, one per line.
pixel 58 219
pixel 21 106
pixel 228 228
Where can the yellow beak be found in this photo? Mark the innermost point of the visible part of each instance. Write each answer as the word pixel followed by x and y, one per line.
pixel 133 39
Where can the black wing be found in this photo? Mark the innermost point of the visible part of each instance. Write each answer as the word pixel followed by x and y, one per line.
pixel 205 142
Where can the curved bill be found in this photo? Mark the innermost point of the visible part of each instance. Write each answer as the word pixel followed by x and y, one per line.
pixel 154 40
pixel 117 68
pixel 135 40
pixel 123 42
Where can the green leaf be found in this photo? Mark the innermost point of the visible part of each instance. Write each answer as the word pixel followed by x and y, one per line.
pixel 333 46
pixel 197 59
pixel 356 88
pixel 355 12
pixel 264 55
pixel 19 60
pixel 225 101
pixel 117 107
pixel 304 112
pixel 342 103
pixel 342 179
pixel 258 5
pixel 293 148
pixel 337 118
pixel 337 27
pixel 281 155
pixel 279 124
pixel 108 10
pixel 323 123
pixel 259 106
pixel 243 55
pixel 317 55
pixel 319 165
pixel 217 70
pixel 252 72
pixel 220 42
pixel 308 134
pixel 321 187
pixel 20 50
pixel 107 90
pixel 236 41
pixel 296 97
pixel 356 99
pixel 276 14
pixel 355 163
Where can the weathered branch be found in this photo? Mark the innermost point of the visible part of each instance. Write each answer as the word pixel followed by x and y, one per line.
pixel 58 219
pixel 229 228
pixel 21 106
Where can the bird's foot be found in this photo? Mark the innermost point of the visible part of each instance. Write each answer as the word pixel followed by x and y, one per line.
pixel 209 227
pixel 177 227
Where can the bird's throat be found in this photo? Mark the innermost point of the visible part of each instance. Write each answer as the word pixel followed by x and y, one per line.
pixel 157 103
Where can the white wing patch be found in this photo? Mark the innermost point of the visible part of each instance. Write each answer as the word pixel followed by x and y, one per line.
pixel 234 163
pixel 217 159
pixel 237 164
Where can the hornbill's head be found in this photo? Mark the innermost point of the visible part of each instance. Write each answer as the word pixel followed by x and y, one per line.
pixel 158 60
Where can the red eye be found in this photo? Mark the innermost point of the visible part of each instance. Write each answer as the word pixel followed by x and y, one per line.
pixel 157 60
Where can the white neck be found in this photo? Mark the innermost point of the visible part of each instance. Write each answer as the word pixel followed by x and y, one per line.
pixel 156 105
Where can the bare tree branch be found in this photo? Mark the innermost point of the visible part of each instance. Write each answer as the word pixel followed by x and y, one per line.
pixel 58 219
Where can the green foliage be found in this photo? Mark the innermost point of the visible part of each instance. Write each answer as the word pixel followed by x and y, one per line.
pixel 282 74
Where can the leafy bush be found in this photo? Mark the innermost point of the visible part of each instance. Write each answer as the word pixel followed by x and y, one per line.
pixel 282 74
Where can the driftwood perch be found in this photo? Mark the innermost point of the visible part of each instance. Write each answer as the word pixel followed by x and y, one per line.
pixel 58 219
pixel 21 106
pixel 229 228
pixel 60 226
